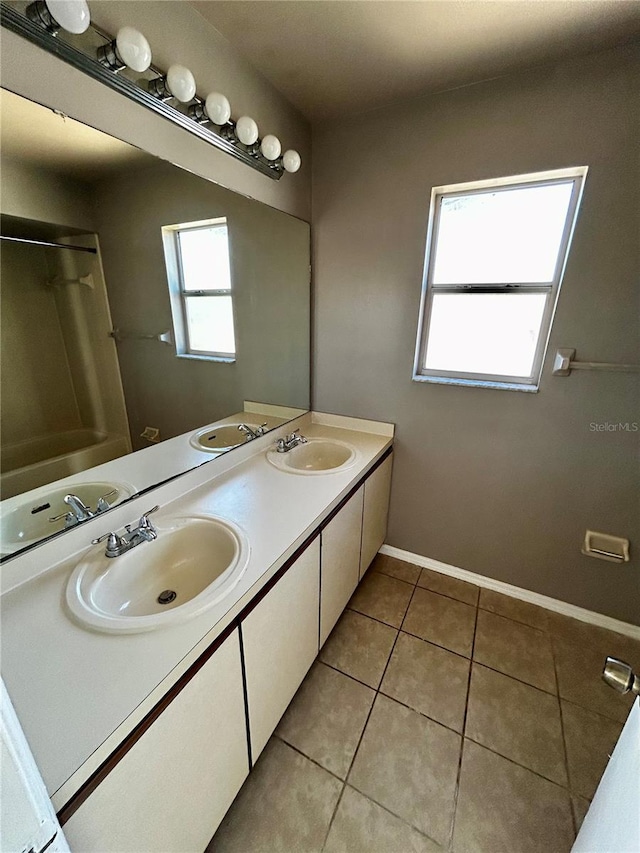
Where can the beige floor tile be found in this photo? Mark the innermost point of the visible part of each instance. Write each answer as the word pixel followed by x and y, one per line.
pixel 579 669
pixel 360 647
pixel 518 721
pixel 395 568
pixel 362 826
pixel 326 718
pixel 445 585
pixel 441 620
pixel 504 808
pixel 286 804
pixel 580 809
pixel 409 765
pixel 590 739
pixel 513 608
pixel 383 598
pixel 515 649
pixel 429 679
pixel 600 639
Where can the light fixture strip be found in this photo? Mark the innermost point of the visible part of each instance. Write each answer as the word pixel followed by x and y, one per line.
pixel 14 21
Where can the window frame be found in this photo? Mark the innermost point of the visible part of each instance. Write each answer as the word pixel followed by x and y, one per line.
pixel 179 294
pixel 576 175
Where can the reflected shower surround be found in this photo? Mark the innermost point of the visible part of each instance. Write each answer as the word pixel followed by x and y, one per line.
pixel 124 64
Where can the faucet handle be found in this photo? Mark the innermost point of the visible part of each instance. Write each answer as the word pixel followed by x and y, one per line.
pixel 114 543
pixel 66 515
pixel 144 518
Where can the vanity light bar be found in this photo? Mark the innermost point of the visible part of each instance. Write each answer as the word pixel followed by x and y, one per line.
pixel 171 94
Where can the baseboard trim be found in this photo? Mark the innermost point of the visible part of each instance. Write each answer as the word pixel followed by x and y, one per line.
pixel 546 601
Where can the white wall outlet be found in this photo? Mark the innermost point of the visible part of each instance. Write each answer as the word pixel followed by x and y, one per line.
pixel 151 434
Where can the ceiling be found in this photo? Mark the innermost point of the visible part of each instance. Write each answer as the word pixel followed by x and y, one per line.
pixel 332 57
pixel 39 137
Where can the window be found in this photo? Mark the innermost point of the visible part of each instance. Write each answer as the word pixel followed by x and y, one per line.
pixel 496 253
pixel 199 275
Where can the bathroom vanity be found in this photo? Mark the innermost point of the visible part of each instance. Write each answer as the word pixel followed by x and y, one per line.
pixel 144 737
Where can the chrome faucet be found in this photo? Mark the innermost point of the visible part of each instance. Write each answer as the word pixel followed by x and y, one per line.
pixel 118 545
pixel 250 434
pixel 284 445
pixel 78 511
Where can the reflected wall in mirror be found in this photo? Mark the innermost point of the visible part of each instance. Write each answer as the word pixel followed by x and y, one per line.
pixel 167 306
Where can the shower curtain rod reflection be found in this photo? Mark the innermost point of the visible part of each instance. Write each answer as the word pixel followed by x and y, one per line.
pixel 48 244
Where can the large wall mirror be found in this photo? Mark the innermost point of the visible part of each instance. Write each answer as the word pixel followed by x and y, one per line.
pixel 143 309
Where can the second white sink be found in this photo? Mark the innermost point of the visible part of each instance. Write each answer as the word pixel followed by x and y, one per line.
pixel 315 456
pixel 193 564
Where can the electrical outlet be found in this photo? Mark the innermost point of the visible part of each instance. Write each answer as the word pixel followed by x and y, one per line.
pixel 152 434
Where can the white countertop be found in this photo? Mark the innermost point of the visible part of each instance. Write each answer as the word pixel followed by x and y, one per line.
pixel 78 692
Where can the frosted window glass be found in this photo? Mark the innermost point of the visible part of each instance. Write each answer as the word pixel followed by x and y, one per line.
pixel 501 236
pixel 205 258
pixel 210 322
pixel 488 333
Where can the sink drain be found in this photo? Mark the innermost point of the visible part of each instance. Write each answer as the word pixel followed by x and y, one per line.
pixel 167 596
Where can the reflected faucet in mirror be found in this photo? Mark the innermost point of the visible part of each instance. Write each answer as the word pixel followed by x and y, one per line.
pixel 79 511
pixel 250 434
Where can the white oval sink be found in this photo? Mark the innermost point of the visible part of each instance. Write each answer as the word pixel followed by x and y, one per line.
pixel 316 456
pixel 193 564
pixel 216 439
pixel 29 522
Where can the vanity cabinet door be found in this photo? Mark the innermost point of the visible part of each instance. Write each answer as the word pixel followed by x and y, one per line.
pixel 173 787
pixel 340 562
pixel 280 642
pixel 376 510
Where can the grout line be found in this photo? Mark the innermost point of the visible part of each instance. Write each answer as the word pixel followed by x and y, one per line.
pixel 379 621
pixel 395 577
pixel 396 815
pixel 591 711
pixel 564 739
pixel 514 678
pixel 308 757
pixel 464 727
pixel 333 815
pixel 523 767
pixel 420 713
pixel 348 675
pixel 364 728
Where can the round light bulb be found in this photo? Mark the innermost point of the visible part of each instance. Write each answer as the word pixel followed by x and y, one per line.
pixel 291 160
pixel 247 130
pixel 133 48
pixel 271 147
pixel 72 15
pixel 218 108
pixel 181 83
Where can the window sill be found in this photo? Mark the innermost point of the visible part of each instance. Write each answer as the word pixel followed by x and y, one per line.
pixel 477 383
pixel 219 358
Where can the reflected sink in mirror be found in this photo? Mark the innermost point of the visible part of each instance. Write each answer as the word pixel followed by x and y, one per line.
pixel 194 563
pixel 30 522
pixel 316 456
pixel 217 439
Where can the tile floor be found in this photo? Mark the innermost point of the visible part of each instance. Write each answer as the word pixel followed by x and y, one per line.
pixel 438 716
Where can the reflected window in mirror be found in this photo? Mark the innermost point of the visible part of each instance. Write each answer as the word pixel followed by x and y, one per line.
pixel 199 276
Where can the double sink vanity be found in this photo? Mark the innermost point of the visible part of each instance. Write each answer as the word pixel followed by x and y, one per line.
pixel 149 669
pixel 179 534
